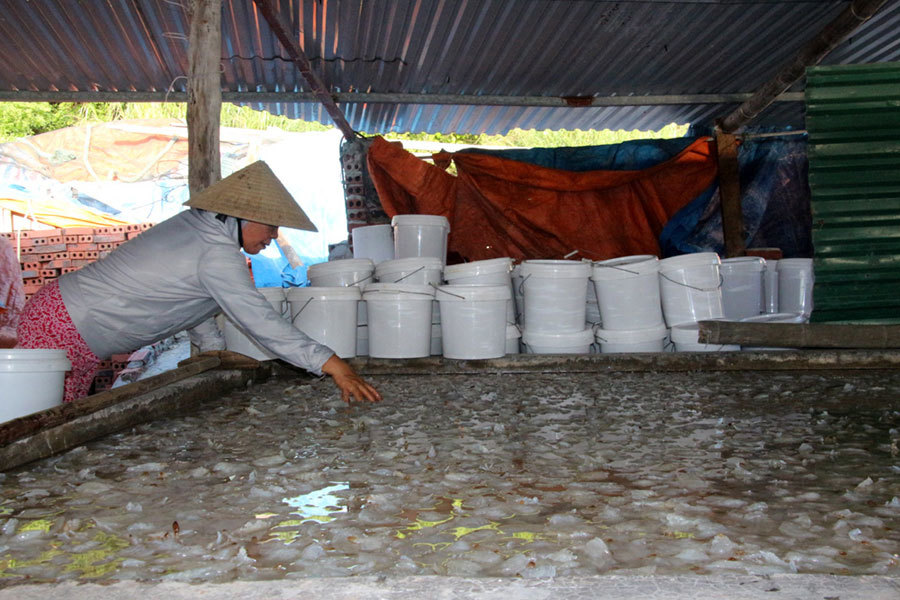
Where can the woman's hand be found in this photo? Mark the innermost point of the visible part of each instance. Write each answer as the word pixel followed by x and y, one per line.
pixel 352 386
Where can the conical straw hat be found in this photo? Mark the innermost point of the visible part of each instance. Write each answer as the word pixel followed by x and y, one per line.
pixel 253 193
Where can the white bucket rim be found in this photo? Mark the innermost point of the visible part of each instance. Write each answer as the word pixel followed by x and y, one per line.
pixel 686 333
pixel 324 293
pixel 794 263
pixel 343 265
pixel 489 266
pixel 743 264
pixel 472 293
pixel 398 291
pixel 682 261
pixel 625 267
pixel 556 269
pixel 636 336
pixel 377 226
pixel 784 317
pixel 399 265
pixel 33 359
pixel 558 340
pixel 421 221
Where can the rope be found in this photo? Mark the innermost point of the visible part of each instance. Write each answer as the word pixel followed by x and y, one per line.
pixel 721 280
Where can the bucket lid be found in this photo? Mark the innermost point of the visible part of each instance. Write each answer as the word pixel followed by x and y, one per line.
pixel 795 263
pixel 478 267
pixel 33 359
pixel 688 260
pixel 776 318
pixel 421 220
pixel 625 267
pixel 559 340
pixel 344 265
pixel 472 293
pixel 617 336
pixel 324 293
pixel 752 264
pixel 399 265
pixel 371 228
pixel 398 291
pixel 556 269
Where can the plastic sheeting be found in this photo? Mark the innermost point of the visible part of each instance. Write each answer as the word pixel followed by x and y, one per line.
pixel 775 200
pixel 504 207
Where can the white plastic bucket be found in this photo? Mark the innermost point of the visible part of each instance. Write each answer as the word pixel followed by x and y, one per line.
pixel 691 288
pixel 420 235
pixel 685 337
pixel 649 339
pixel 555 292
pixel 32 380
pixel 795 286
pixel 399 320
pixel 770 286
pixel 374 242
pixel 572 342
pixel 341 273
pixel 473 320
pixel 742 286
pixel 238 341
pixel 494 271
pixel 628 292
pixel 420 270
pixel 327 315
pixel 774 318
pixel 513 335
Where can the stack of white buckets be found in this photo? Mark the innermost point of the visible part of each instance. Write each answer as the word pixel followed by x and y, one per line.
pixel 397 298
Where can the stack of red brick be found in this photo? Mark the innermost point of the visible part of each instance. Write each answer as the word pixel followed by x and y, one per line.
pixel 48 253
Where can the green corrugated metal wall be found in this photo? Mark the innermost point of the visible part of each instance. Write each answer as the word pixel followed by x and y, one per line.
pixel 853 119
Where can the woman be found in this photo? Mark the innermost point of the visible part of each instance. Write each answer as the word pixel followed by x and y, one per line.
pixel 178 275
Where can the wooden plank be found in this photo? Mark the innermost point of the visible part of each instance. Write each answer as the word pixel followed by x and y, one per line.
pixel 800 335
pixel 856 13
pixel 730 192
pixel 52 417
pixel 204 94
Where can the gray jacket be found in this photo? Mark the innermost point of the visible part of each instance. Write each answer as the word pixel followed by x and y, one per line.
pixel 173 277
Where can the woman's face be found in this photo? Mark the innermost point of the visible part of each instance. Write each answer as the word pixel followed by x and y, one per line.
pixel 257 236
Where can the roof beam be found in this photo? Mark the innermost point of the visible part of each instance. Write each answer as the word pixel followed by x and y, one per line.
pixel 376 98
pixel 283 32
pixel 856 13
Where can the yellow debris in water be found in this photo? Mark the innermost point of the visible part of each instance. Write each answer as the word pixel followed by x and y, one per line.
pixel 36 525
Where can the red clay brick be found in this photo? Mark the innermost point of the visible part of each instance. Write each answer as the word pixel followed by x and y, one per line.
pixel 78 231
pixel 80 247
pixel 49 273
pixel 85 239
pixel 30 273
pixel 58 263
pixel 70 239
pixel 39 233
pixel 110 237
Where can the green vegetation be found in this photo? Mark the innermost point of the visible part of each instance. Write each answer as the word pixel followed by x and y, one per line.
pixel 19 119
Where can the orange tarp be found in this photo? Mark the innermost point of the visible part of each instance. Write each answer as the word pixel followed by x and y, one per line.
pixel 499 207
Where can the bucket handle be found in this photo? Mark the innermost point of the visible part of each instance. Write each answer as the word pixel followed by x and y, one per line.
pixel 409 274
pixel 305 304
pixel 437 289
pixel 693 287
pixel 522 285
pixel 369 276
pixel 616 268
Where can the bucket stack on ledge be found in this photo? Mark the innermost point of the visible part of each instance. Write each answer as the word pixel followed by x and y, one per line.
pixel 397 298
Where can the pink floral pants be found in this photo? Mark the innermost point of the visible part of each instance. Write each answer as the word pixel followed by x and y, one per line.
pixel 45 323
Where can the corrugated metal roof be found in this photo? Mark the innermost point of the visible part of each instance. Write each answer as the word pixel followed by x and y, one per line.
pixel 854 175
pixel 511 49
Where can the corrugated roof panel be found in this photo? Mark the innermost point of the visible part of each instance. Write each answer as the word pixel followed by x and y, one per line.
pixel 853 118
pixel 511 48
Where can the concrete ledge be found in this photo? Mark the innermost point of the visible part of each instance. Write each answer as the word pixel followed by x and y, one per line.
pixel 608 587
pixel 790 360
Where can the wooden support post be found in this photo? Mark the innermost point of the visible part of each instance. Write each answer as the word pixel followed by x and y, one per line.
pixel 204 94
pixel 730 194
pixel 800 335
pixel 856 13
